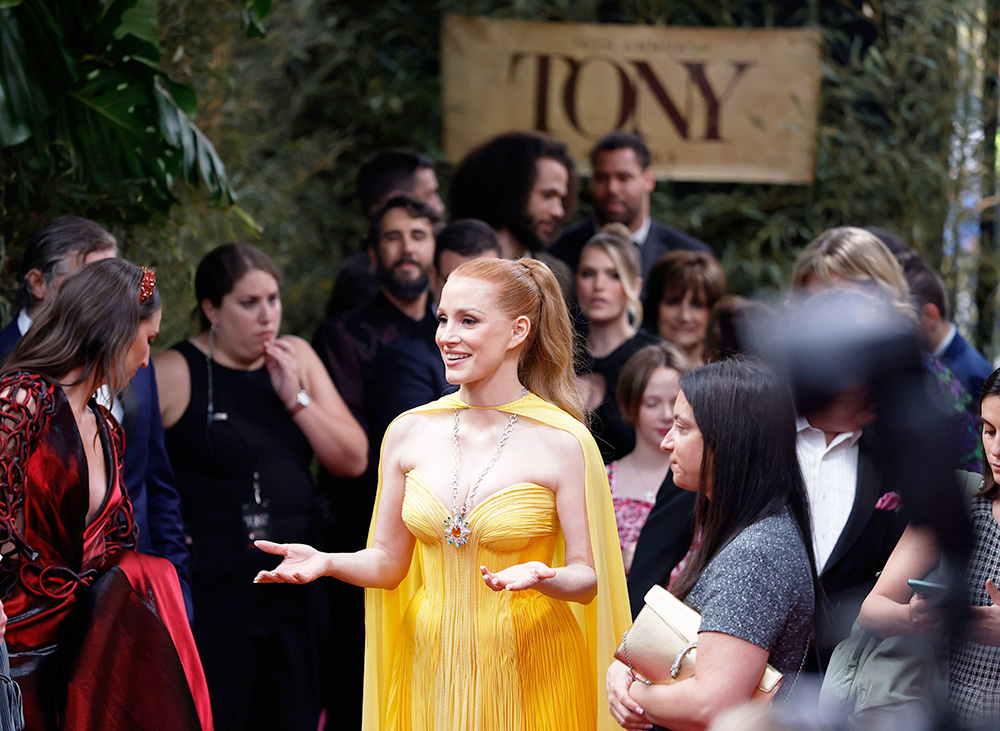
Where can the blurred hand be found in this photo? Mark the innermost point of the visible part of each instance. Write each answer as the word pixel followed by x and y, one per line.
pixel 283 367
pixel 301 563
pixel 984 627
pixel 518 577
pixel 623 708
pixel 923 614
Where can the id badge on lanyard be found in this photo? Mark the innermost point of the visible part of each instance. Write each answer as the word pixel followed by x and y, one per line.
pixel 257 517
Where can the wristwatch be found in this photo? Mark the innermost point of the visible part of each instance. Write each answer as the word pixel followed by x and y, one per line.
pixel 301 401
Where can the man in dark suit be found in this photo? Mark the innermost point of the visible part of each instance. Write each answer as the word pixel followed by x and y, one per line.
pixel 620 185
pixel 930 299
pixel 380 176
pixel 57 249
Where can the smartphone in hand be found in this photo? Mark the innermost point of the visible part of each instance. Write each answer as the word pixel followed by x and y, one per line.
pixel 927 589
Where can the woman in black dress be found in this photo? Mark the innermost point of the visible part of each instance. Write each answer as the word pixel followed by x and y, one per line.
pixel 244 412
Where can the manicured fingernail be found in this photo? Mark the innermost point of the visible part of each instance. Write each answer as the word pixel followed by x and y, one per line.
pixel 638 710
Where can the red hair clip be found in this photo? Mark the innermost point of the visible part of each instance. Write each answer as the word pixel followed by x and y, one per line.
pixel 146 285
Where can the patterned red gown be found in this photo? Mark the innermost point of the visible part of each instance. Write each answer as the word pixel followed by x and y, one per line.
pixel 97 633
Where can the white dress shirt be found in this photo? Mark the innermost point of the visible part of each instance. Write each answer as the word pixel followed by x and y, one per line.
pixel 831 477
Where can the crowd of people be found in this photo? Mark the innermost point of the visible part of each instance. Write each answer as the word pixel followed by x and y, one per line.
pixel 520 429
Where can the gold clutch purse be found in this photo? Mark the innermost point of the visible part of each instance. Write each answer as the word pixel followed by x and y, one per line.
pixel 661 645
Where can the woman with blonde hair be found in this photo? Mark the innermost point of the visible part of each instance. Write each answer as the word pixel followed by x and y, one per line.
pixel 607 291
pixel 495 585
pixel 852 258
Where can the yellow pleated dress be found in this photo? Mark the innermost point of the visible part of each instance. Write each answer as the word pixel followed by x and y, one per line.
pixel 444 652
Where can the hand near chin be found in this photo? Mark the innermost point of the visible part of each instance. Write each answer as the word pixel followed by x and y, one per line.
pixel 518 577
pixel 283 367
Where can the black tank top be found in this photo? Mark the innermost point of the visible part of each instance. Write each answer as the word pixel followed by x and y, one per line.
pixel 214 465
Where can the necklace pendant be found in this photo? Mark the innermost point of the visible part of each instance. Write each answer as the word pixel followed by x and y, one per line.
pixel 456 530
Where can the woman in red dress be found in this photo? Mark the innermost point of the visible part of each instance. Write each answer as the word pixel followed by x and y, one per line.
pixel 97 633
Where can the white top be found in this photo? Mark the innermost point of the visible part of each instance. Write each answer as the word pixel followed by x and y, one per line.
pixel 831 477
pixel 640 236
pixel 944 344
pixel 103 394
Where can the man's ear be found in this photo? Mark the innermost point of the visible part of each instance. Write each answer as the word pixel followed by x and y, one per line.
pixel 519 331
pixel 36 284
pixel 930 316
pixel 649 178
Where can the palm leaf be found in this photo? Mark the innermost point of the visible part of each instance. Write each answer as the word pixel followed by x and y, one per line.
pixel 32 81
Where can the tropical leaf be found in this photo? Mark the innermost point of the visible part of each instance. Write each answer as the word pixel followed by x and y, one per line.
pixel 198 154
pixel 31 83
pixel 253 13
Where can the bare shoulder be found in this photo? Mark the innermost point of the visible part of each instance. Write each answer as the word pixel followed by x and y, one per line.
pixel 300 345
pixel 173 383
pixel 415 434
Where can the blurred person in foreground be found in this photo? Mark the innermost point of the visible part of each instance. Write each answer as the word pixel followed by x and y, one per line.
pixel 751 572
pixel 495 588
pixel 93 624
pixel 245 411
pixel 893 608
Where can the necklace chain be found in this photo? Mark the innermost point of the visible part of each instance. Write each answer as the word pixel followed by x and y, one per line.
pixel 456 526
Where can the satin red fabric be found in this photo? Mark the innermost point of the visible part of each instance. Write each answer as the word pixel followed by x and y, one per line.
pixel 97 633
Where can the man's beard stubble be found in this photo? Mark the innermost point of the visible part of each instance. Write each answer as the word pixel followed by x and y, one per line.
pixel 401 289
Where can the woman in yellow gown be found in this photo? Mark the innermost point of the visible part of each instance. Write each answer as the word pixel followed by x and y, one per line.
pixel 514 600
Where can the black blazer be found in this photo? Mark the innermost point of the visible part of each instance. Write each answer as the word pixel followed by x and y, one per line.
pixel 661 239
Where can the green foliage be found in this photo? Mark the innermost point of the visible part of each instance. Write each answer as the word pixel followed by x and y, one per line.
pixel 89 124
pixel 294 115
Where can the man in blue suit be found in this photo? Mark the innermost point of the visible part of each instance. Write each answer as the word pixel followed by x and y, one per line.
pixel 60 247
pixel 930 300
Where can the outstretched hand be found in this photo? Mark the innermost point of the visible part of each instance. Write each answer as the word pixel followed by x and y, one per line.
pixel 301 563
pixel 518 577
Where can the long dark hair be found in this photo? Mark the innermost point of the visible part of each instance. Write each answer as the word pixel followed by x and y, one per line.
pixel 90 324
pixel 747 424
pixel 989 488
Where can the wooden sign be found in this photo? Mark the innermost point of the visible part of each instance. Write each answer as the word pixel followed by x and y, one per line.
pixel 713 104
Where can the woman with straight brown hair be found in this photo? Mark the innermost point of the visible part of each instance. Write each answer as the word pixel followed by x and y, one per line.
pixel 496 589
pixel 94 626
pixel 683 288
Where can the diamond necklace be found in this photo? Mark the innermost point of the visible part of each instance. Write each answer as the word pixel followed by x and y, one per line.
pixel 456 527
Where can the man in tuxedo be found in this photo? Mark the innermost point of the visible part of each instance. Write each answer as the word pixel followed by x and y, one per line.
pixel 620 185
pixel 57 249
